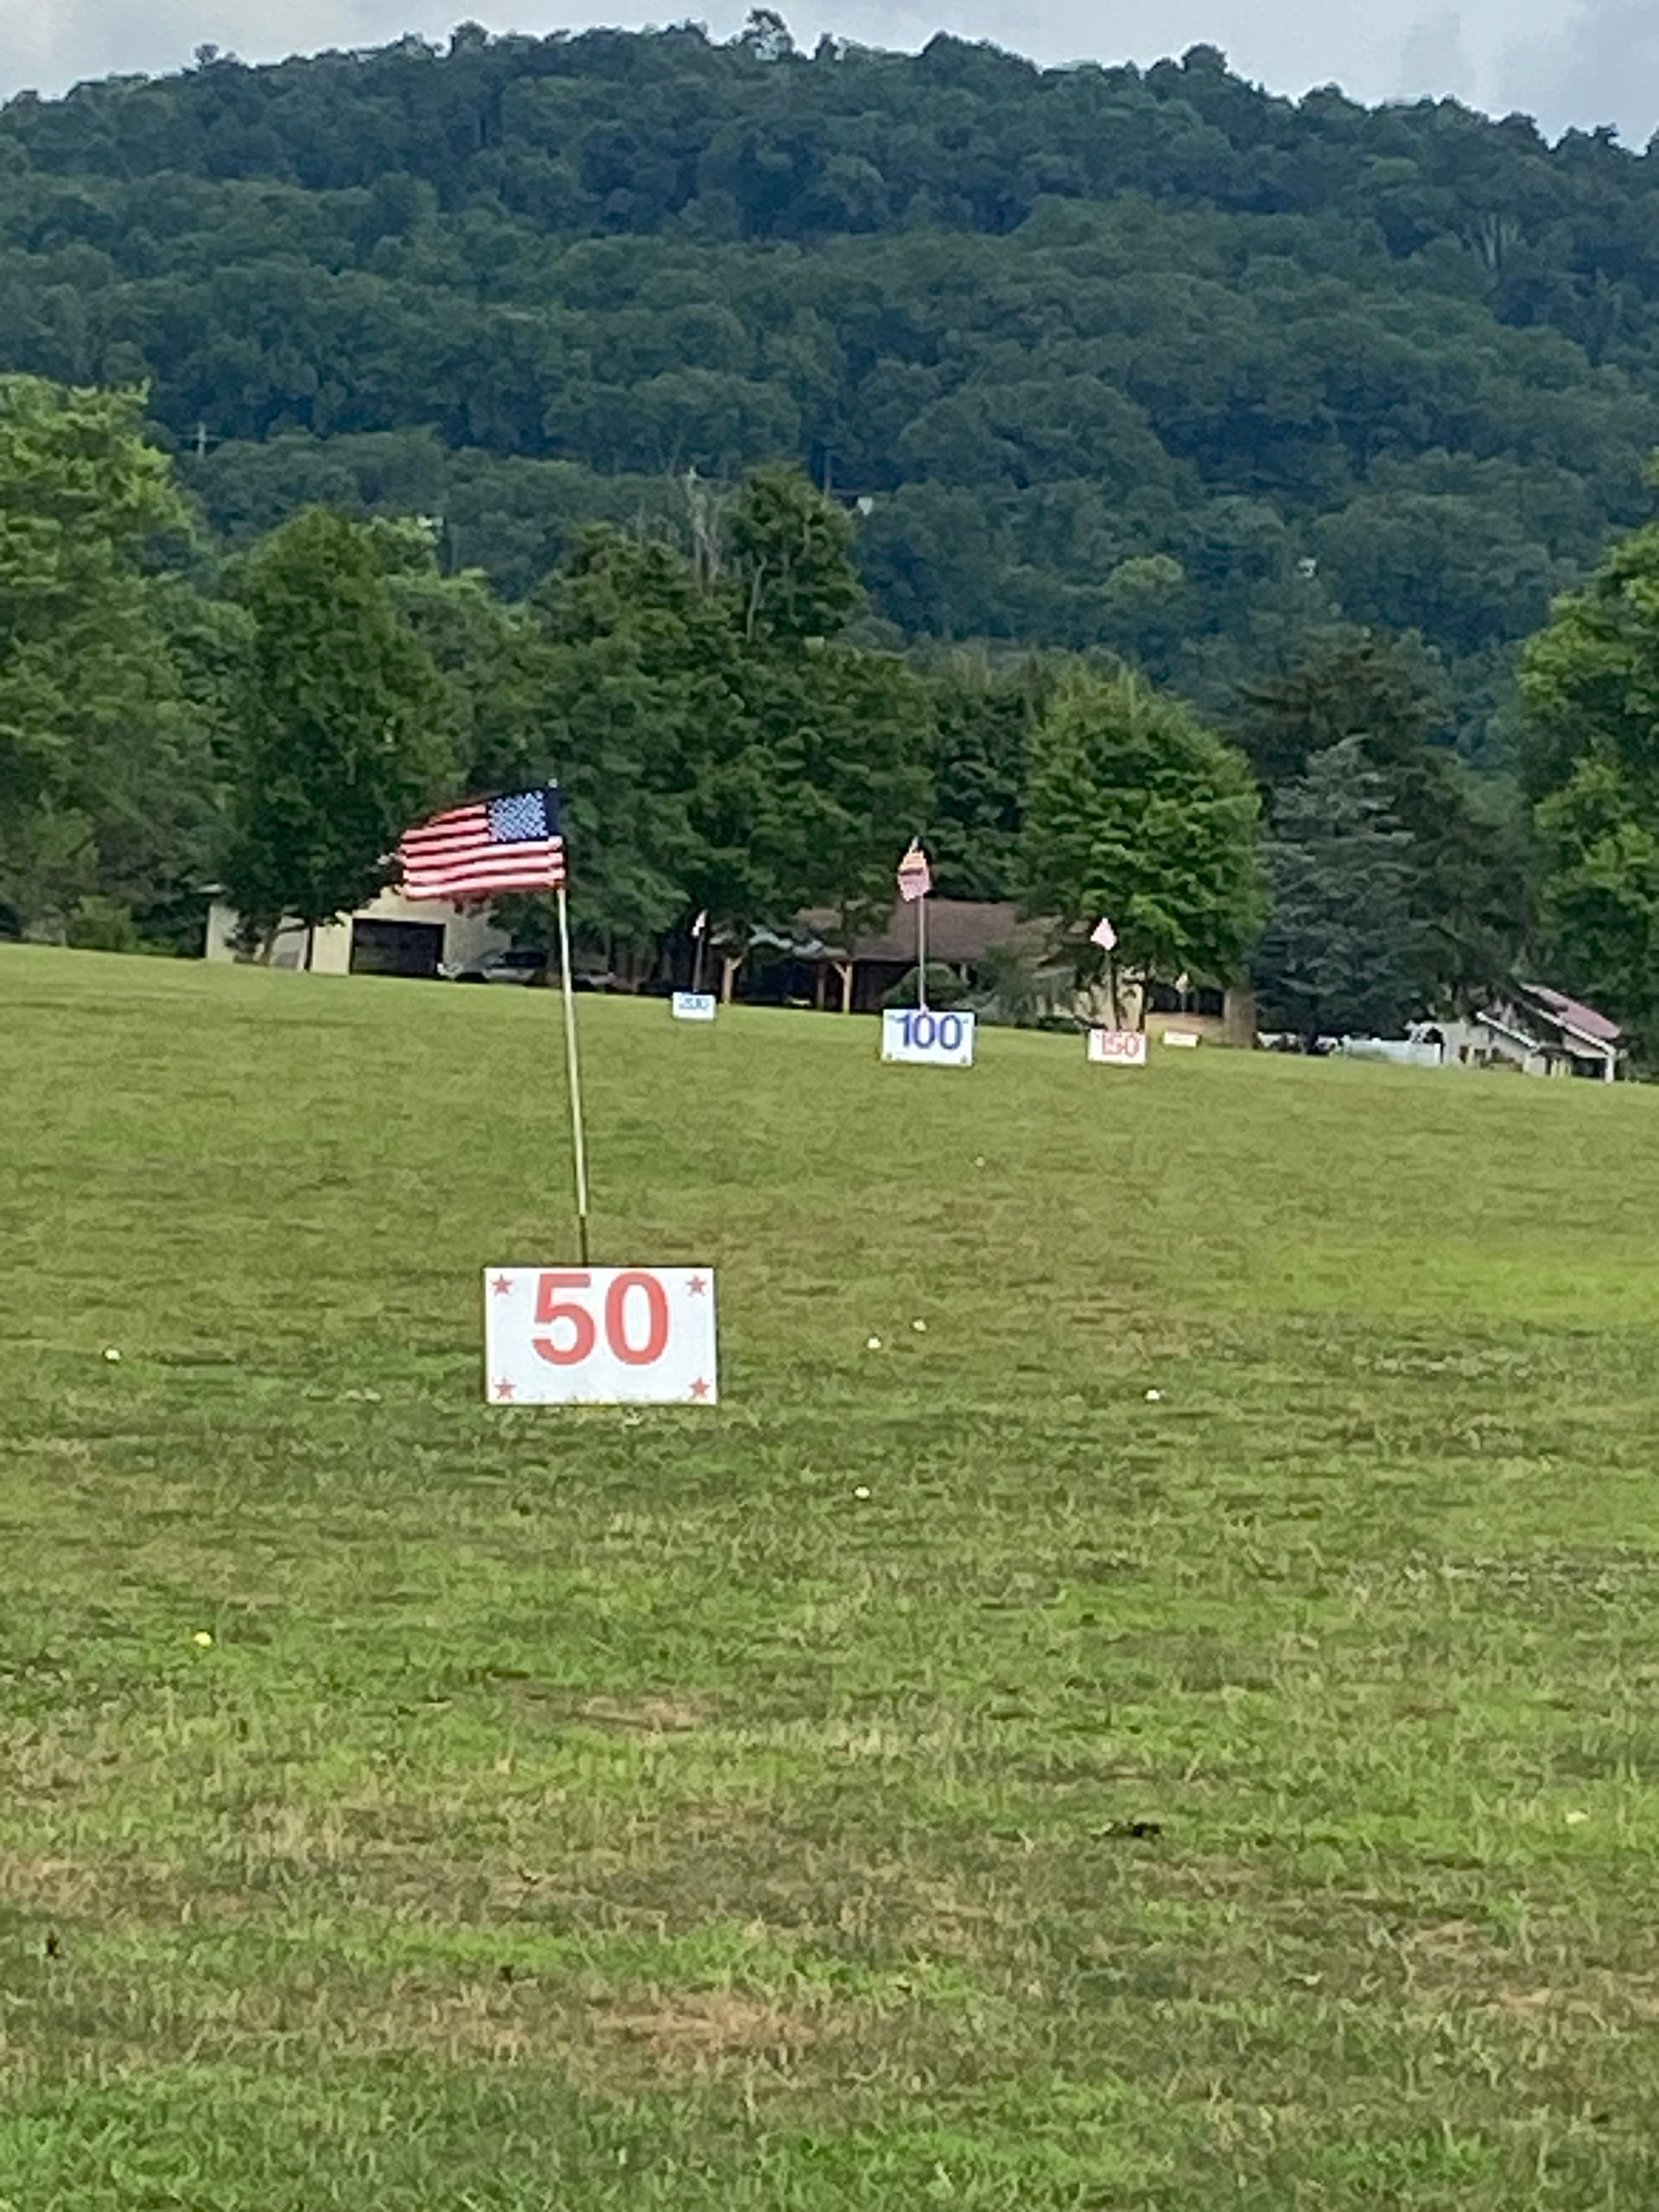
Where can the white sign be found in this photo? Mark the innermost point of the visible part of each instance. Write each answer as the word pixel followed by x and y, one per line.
pixel 600 1336
pixel 1180 1036
pixel 934 1041
pixel 1118 1048
pixel 694 1006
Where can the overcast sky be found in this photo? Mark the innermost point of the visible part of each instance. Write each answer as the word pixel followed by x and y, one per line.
pixel 1567 62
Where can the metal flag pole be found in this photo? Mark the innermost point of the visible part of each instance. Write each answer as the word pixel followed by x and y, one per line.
pixel 578 1134
pixel 696 957
pixel 921 952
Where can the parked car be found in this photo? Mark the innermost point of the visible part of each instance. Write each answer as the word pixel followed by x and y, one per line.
pixel 515 963
pixel 525 964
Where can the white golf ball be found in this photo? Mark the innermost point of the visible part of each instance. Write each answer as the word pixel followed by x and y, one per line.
pixel 111 1353
pixel 872 1344
pixel 1154 1398
pixel 863 1490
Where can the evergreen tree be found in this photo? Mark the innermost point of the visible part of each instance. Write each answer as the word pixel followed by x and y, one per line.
pixel 1468 879
pixel 1338 955
pixel 346 733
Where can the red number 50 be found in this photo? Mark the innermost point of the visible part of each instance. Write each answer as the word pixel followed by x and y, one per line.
pixel 553 1308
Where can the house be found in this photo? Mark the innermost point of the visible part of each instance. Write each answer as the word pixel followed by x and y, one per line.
pixel 820 962
pixel 1538 1030
pixel 825 963
pixel 390 936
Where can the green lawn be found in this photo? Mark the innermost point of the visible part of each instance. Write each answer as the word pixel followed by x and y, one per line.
pixel 1243 1799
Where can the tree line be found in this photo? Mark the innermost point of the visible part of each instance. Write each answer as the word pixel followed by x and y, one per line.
pixel 1146 363
pixel 174 715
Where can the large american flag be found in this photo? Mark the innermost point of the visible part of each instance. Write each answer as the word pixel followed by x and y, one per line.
pixel 510 843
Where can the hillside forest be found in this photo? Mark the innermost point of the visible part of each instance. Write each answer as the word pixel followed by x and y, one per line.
pixel 793 450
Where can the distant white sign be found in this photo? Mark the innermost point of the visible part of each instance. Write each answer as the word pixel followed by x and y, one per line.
pixel 913 1034
pixel 600 1336
pixel 694 1006
pixel 1187 1036
pixel 1118 1048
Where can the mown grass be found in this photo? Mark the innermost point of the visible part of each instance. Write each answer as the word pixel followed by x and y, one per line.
pixel 1243 1799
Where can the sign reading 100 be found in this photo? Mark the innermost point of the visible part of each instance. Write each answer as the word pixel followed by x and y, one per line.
pixel 916 1034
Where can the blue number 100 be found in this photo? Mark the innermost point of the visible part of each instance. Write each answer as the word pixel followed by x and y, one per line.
pixel 925 1030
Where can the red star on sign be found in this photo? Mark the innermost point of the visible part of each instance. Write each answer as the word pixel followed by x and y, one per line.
pixel 504 1389
pixel 700 1389
pixel 502 1286
pixel 697 1285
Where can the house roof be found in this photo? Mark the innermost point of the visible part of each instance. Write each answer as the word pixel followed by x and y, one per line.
pixel 1545 1019
pixel 1572 1014
pixel 959 930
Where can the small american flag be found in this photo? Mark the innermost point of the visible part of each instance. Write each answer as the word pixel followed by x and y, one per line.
pixel 915 877
pixel 510 843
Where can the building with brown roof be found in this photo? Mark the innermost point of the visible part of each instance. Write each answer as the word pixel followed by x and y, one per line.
pixel 1537 1029
pixel 821 963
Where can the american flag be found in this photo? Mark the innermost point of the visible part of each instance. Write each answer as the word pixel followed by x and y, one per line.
pixel 915 877
pixel 510 843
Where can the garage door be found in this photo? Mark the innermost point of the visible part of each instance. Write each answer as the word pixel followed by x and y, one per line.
pixel 396 947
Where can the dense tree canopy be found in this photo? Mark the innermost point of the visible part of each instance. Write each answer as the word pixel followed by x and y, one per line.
pixel 786 449
pixel 1591 685
pixel 717 749
pixel 104 780
pixel 1146 361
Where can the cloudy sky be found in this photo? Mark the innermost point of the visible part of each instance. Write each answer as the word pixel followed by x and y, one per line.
pixel 1567 62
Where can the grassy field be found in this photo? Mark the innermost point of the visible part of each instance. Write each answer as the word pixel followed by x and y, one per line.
pixel 1244 1798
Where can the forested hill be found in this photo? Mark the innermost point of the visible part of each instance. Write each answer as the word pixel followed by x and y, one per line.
pixel 1146 360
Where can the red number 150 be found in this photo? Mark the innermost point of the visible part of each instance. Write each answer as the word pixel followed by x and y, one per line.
pixel 554 1305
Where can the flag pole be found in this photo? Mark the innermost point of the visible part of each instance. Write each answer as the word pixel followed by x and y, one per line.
pixel 578 1136
pixel 697 959
pixel 921 952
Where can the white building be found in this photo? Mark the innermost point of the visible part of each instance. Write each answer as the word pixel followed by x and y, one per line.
pixel 1539 1030
pixel 392 936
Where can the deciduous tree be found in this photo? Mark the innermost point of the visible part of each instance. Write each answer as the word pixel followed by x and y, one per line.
pixel 1590 685
pixel 106 780
pixel 1134 810
pixel 346 730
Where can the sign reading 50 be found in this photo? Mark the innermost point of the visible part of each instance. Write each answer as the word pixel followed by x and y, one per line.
pixel 599 1336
